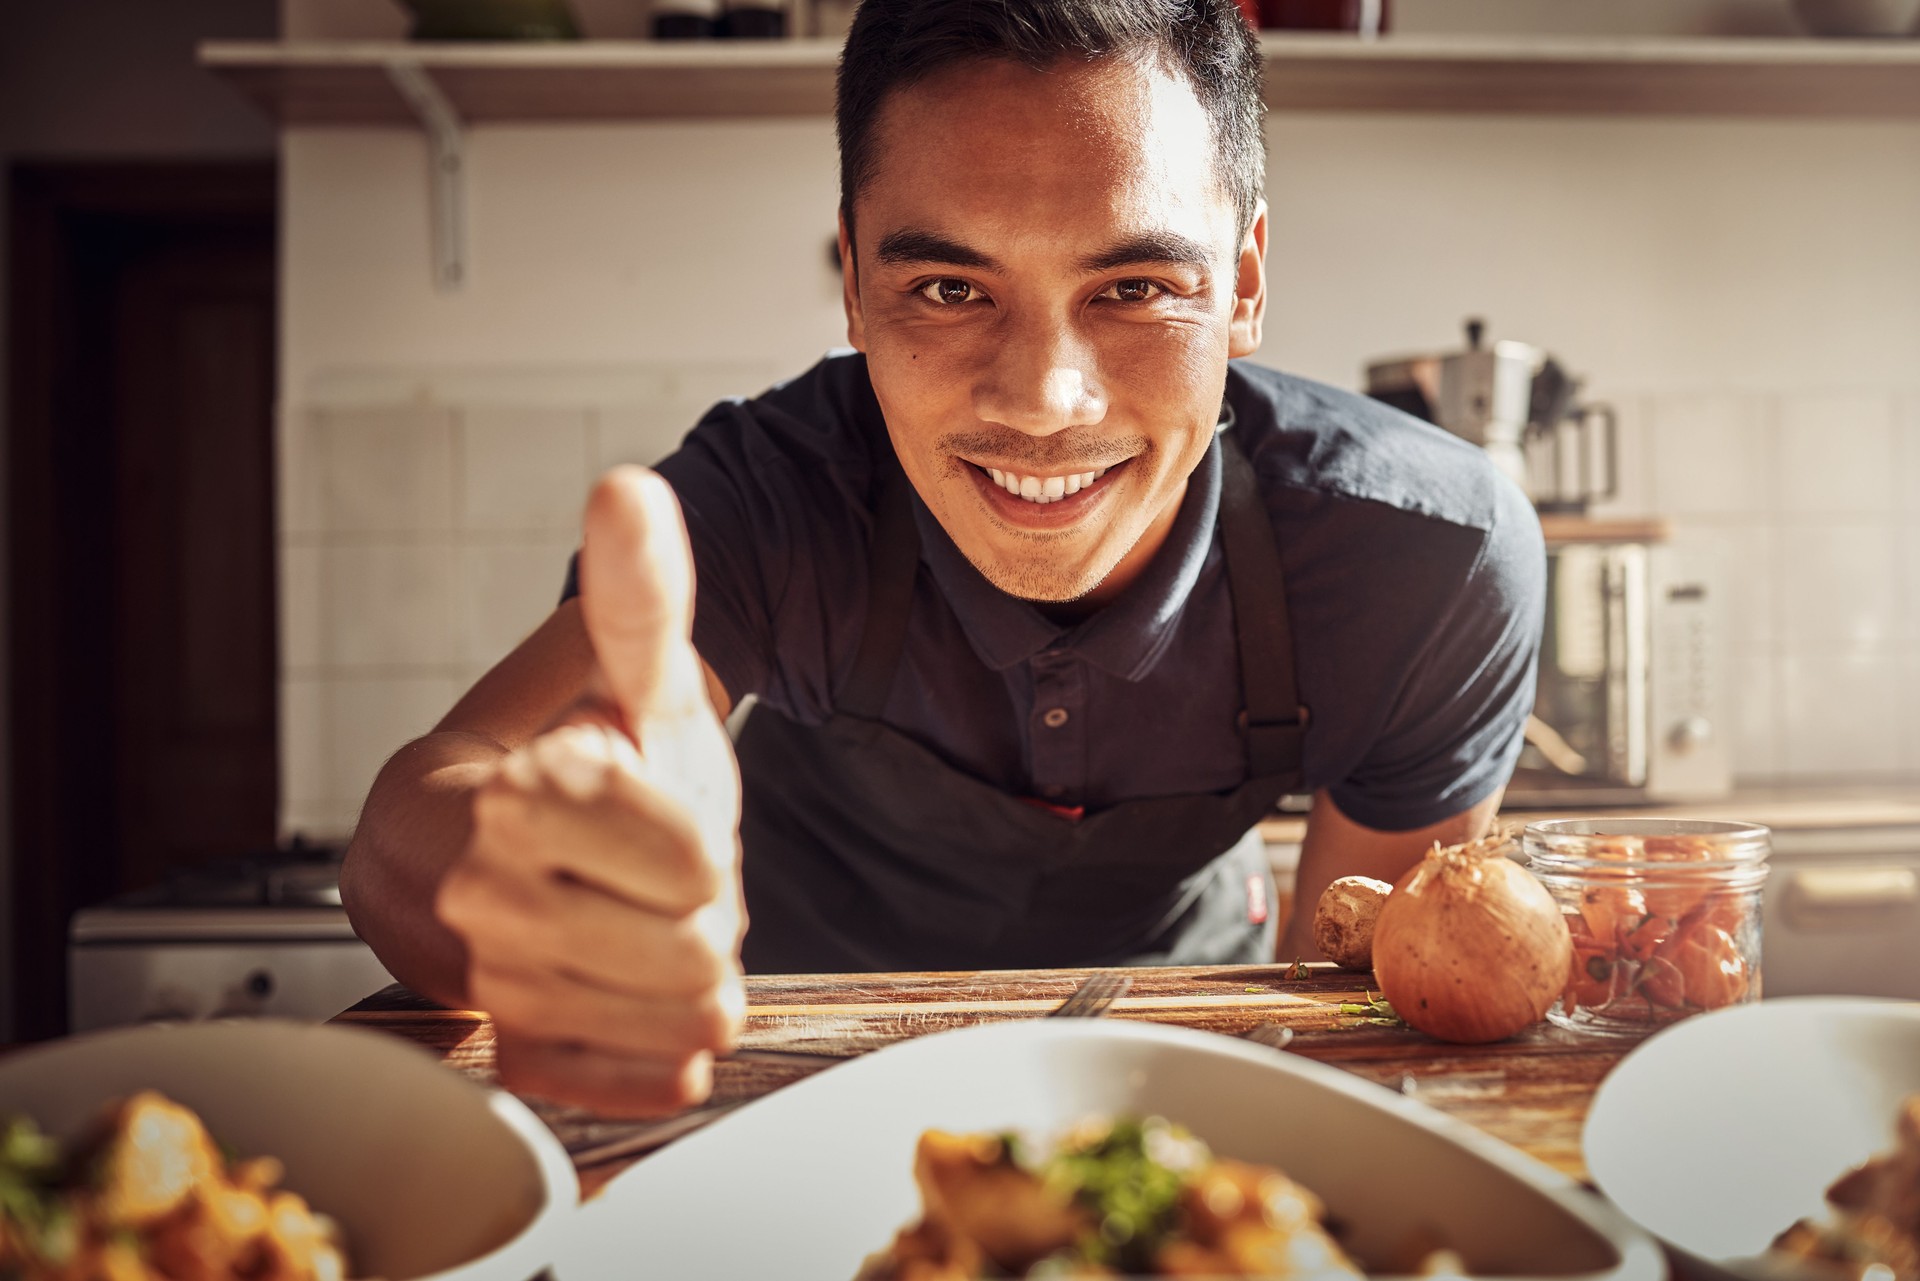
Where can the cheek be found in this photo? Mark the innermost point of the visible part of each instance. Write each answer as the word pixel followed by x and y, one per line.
pixel 1173 375
pixel 916 369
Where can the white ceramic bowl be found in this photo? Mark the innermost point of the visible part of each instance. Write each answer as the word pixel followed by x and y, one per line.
pixel 428 1174
pixel 1858 17
pixel 803 1184
pixel 1721 1131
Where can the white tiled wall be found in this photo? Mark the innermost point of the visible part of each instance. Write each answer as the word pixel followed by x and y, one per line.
pixel 426 531
pixel 1808 505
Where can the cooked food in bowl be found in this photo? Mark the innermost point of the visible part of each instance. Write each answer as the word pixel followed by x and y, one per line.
pixel 1873 1233
pixel 1112 1197
pixel 150 1194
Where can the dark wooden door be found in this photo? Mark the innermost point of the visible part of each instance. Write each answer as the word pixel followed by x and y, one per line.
pixel 193 361
pixel 142 606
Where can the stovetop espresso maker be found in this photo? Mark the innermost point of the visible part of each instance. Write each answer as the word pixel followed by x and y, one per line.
pixel 1520 405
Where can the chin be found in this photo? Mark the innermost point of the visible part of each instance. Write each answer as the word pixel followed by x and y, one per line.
pixel 1041 582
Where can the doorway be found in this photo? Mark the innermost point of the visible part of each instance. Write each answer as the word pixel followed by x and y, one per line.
pixel 142 594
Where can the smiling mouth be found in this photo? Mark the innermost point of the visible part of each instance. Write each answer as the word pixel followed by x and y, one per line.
pixel 1041 490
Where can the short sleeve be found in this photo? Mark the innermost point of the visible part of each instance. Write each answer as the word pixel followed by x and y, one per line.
pixel 1455 732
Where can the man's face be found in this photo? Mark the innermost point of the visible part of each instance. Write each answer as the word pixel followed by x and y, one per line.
pixel 1049 283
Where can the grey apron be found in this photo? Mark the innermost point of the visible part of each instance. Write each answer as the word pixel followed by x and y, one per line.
pixel 865 851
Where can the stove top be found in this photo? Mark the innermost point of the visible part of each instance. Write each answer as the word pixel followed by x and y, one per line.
pixel 299 875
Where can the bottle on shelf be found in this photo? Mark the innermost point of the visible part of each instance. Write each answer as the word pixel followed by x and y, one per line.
pixel 754 20
pixel 1363 17
pixel 685 19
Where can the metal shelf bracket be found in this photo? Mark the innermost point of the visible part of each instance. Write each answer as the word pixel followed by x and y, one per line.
pixel 447 157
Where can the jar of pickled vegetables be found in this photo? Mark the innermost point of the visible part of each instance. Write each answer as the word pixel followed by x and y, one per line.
pixel 1665 916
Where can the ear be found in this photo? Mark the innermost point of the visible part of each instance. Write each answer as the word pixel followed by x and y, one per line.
pixel 1250 288
pixel 850 288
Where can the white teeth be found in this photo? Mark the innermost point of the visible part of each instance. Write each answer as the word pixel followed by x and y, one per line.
pixel 1044 489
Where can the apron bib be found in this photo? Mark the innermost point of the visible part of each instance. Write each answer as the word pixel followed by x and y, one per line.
pixel 865 851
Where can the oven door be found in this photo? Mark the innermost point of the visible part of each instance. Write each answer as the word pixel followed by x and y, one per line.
pixel 1842 913
pixel 134 965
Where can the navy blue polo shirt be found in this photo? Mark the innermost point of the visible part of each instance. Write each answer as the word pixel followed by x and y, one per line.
pixel 1415 582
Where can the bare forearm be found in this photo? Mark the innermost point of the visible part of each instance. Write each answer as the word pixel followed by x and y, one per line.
pixel 416 821
pixel 1336 846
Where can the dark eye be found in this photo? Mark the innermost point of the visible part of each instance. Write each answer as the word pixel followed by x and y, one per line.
pixel 949 291
pixel 1132 290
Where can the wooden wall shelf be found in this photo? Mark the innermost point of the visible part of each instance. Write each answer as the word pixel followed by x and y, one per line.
pixel 351 83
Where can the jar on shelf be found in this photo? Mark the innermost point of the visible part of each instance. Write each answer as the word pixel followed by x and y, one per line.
pixel 1665 916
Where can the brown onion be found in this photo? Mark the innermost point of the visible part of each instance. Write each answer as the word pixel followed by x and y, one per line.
pixel 1344 918
pixel 1470 947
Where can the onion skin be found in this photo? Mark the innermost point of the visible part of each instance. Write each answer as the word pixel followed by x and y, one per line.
pixel 1344 918
pixel 1470 947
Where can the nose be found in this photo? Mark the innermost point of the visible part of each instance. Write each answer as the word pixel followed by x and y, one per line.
pixel 1040 380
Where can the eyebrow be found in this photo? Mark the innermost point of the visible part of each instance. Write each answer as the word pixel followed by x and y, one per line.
pixel 912 248
pixel 1149 247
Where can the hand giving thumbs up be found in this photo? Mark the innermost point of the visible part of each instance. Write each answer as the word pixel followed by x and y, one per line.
pixel 599 896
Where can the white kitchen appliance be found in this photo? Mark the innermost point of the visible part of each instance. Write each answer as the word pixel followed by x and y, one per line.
pixel 1631 703
pixel 261 936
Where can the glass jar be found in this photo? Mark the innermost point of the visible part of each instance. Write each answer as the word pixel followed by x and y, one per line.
pixel 1665 916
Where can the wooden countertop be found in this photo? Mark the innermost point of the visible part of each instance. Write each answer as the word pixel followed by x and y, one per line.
pixel 1784 808
pixel 1532 1091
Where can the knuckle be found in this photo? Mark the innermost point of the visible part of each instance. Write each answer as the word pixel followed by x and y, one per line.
pixel 664 1086
pixel 690 1081
pixel 478 905
pixel 524 1073
pixel 503 813
pixel 461 903
pixel 514 1006
pixel 712 1023
pixel 694 965
pixel 684 857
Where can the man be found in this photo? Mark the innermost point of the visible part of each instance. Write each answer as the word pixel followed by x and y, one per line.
pixel 1044 604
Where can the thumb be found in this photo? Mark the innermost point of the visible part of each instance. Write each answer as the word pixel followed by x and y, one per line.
pixel 636 595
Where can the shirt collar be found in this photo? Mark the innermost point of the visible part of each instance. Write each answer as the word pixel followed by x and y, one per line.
pixel 1124 638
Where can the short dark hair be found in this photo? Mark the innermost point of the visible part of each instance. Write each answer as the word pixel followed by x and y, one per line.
pixel 897 43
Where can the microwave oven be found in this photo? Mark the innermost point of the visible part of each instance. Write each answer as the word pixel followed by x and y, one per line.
pixel 1631 702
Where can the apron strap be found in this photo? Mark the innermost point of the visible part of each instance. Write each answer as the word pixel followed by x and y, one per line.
pixel 893 564
pixel 1275 719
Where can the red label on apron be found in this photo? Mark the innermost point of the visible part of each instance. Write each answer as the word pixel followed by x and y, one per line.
pixel 1256 900
pixel 1072 813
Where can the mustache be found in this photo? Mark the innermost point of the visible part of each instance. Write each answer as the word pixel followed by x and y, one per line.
pixel 1069 450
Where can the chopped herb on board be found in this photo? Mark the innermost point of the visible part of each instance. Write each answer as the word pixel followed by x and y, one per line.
pixel 1298 970
pixel 1377 1012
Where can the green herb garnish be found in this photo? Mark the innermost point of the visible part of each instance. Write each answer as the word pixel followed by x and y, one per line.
pixel 1129 1178
pixel 1377 1012
pixel 30 1203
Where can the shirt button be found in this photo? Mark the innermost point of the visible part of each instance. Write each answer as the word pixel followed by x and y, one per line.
pixel 1055 717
